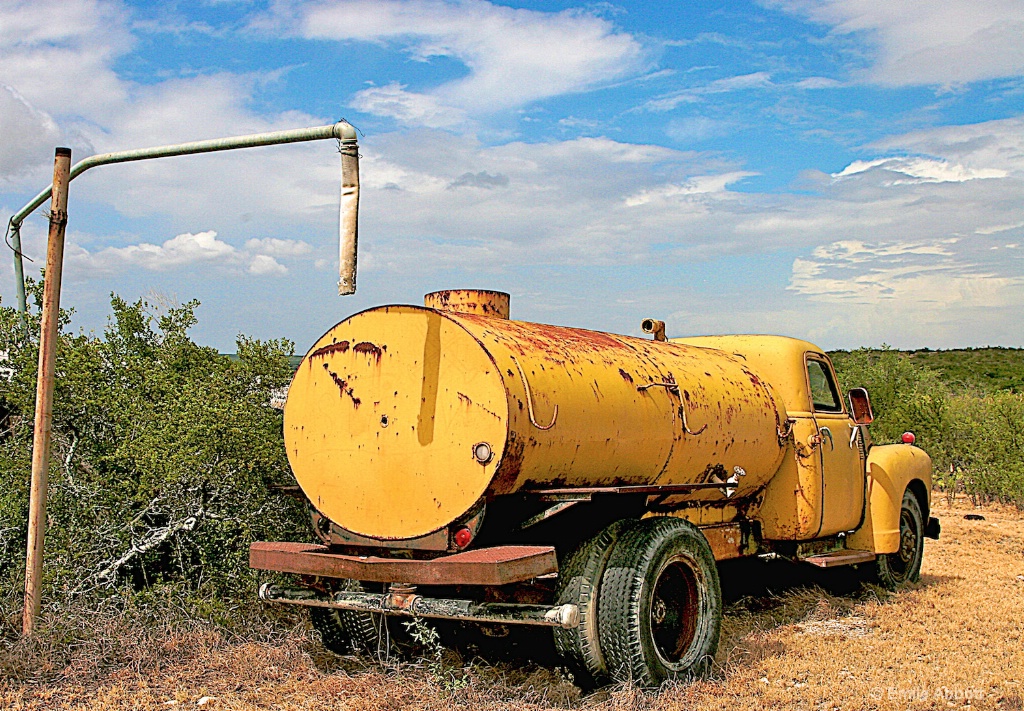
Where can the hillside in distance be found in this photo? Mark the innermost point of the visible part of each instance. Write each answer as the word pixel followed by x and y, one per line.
pixel 987 369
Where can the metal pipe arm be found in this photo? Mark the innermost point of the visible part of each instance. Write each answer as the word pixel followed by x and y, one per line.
pixel 342 131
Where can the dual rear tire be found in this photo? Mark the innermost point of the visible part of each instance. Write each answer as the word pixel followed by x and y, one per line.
pixel 345 631
pixel 650 604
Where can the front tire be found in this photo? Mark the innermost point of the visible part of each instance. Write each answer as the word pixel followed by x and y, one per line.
pixel 660 611
pixel 891 570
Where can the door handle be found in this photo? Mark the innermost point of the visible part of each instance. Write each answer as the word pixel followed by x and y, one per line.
pixel 826 432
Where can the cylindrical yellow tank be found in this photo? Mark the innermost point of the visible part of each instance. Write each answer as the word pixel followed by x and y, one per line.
pixel 401 418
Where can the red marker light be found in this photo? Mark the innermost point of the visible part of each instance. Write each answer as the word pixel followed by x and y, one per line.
pixel 909 438
pixel 463 537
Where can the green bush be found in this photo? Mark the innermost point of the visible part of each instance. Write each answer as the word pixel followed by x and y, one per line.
pixel 975 438
pixel 164 453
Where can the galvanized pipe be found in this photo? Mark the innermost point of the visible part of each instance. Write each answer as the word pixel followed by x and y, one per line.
pixel 342 131
pixel 44 389
pixel 349 219
pixel 413 605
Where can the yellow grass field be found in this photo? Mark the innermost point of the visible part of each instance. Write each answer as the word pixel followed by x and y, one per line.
pixel 956 640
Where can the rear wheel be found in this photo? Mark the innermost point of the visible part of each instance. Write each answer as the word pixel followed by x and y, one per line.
pixel 660 611
pixel 347 631
pixel 578 584
pixel 904 566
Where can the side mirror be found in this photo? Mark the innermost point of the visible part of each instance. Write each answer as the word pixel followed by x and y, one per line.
pixel 860 406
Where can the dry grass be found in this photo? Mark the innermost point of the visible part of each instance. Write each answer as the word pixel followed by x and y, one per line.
pixel 953 641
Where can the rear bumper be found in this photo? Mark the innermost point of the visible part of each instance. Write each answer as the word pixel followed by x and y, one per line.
pixel 932 528
pixel 409 604
pixel 500 565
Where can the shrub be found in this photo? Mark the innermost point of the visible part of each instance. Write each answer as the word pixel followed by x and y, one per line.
pixel 975 439
pixel 164 453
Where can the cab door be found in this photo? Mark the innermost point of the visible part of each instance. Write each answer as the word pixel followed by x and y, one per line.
pixel 842 468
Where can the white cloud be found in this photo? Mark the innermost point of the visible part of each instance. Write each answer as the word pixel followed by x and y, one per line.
pixel 917 276
pixel 27 133
pixel 274 247
pixel 697 185
pixel 818 83
pixel 513 56
pixel 668 102
pixel 394 101
pixel 990 145
pixel 183 250
pixel 923 170
pixel 263 265
pixel 202 249
pixel 994 229
pixel 58 54
pixel 697 128
pixel 928 41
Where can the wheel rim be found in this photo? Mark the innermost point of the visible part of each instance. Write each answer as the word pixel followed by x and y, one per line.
pixel 903 560
pixel 674 612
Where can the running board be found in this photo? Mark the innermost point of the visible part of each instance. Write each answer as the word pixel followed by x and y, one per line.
pixel 838 558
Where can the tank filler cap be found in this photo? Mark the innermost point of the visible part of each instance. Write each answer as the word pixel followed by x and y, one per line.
pixel 469 301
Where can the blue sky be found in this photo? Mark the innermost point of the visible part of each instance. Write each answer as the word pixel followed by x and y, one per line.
pixel 847 171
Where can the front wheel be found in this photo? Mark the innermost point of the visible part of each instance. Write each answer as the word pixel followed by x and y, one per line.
pixel 904 566
pixel 660 611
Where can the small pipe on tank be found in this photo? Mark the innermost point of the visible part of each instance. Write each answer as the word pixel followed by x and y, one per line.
pixel 654 326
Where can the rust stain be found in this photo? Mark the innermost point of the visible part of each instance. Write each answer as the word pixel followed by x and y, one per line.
pixel 339 347
pixel 510 466
pixel 626 376
pixel 343 387
pixel 465 399
pixel 369 348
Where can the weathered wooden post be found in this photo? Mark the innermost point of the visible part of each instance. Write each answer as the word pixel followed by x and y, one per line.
pixel 44 388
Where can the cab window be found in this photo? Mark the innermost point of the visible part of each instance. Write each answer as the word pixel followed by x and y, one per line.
pixel 824 393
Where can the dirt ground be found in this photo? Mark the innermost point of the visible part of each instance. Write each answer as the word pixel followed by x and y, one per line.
pixel 952 641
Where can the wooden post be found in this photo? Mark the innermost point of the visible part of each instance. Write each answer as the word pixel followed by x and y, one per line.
pixel 44 388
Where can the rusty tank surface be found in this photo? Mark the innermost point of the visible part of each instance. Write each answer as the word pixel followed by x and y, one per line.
pixel 401 419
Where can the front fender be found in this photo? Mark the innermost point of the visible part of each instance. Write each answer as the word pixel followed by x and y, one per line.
pixel 890 470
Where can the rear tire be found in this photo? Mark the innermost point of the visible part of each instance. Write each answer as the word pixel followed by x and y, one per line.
pixel 891 570
pixel 347 631
pixel 579 584
pixel 660 611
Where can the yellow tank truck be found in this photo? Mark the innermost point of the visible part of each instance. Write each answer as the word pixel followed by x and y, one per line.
pixel 464 466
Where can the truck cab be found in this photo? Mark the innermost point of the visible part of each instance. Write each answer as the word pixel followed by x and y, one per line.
pixel 834 482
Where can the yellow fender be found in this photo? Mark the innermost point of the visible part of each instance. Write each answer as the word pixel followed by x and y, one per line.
pixel 891 469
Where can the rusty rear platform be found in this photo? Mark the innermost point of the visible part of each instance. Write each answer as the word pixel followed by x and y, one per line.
pixel 499 565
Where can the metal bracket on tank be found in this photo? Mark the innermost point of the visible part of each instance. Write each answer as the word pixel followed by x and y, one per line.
pixel 529 401
pixel 786 430
pixel 674 389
